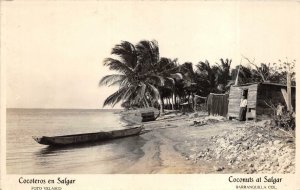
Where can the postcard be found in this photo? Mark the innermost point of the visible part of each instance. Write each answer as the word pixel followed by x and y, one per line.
pixel 149 95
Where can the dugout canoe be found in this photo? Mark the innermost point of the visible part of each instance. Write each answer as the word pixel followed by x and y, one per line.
pixel 87 137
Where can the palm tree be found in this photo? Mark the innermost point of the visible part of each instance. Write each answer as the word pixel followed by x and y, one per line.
pixel 190 87
pixel 159 69
pixel 223 74
pixel 169 70
pixel 207 76
pixel 245 74
pixel 141 74
pixel 149 61
pixel 133 81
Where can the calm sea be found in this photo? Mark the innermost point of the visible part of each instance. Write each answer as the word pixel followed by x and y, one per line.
pixel 25 156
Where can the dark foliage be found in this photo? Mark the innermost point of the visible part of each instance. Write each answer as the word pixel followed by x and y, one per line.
pixel 146 79
pixel 285 121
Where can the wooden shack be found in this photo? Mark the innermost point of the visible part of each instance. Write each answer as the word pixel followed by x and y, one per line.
pixel 259 96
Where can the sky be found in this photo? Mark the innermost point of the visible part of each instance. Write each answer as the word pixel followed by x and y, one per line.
pixel 53 51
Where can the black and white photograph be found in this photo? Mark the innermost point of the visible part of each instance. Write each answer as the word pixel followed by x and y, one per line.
pixel 140 87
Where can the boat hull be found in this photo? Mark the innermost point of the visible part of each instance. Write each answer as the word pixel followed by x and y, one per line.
pixel 87 137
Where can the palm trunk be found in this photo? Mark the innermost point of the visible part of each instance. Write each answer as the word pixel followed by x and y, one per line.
pixel 173 101
pixel 176 101
pixel 146 102
pixel 193 102
pixel 151 103
pixel 143 102
pixel 162 105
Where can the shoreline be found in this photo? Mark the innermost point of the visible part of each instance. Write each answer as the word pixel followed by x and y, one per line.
pixel 175 143
pixel 128 120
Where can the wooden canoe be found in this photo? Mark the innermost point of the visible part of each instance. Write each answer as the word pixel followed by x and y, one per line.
pixel 87 137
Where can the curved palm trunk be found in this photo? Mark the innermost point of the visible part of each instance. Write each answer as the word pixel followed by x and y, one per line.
pixel 146 102
pixel 161 104
pixel 143 102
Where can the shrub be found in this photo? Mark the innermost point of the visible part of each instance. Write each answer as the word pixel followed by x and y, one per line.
pixel 285 121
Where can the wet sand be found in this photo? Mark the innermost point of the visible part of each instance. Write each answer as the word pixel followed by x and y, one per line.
pixel 197 143
pixel 170 140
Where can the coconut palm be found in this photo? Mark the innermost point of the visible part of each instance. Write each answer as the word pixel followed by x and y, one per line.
pixel 133 81
pixel 207 76
pixel 223 77
pixel 190 87
pixel 140 74
pixel 161 70
pixel 169 70
pixel 223 72
pixel 241 74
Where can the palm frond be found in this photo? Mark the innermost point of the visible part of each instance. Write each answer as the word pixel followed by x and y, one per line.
pixel 127 53
pixel 148 52
pixel 141 92
pixel 170 80
pixel 153 91
pixel 177 76
pixel 112 79
pixel 114 98
pixel 129 94
pixel 117 65
pixel 124 82
pixel 159 80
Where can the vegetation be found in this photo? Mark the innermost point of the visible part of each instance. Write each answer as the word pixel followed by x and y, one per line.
pixel 286 121
pixel 145 79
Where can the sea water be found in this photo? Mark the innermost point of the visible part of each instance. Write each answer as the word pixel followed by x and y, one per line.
pixel 25 156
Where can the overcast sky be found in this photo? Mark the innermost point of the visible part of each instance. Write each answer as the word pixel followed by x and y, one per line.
pixel 54 51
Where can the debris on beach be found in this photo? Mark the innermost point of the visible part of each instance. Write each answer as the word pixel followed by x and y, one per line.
pixel 253 148
pixel 207 120
pixel 215 118
pixel 199 123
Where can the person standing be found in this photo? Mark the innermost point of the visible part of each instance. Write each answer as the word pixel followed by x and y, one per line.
pixel 279 109
pixel 243 109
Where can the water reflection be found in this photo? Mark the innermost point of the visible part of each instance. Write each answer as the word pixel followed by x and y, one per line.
pixel 25 156
pixel 127 144
pixel 104 157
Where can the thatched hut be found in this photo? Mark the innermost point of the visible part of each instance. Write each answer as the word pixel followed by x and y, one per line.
pixel 260 97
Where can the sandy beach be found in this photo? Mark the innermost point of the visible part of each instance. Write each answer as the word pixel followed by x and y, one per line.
pixel 198 143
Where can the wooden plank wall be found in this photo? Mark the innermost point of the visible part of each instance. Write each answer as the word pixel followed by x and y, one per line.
pixel 217 104
pixel 257 95
pixel 235 96
pixel 234 101
pixel 252 96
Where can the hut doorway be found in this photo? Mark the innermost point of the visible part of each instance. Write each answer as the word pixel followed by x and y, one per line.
pixel 245 93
